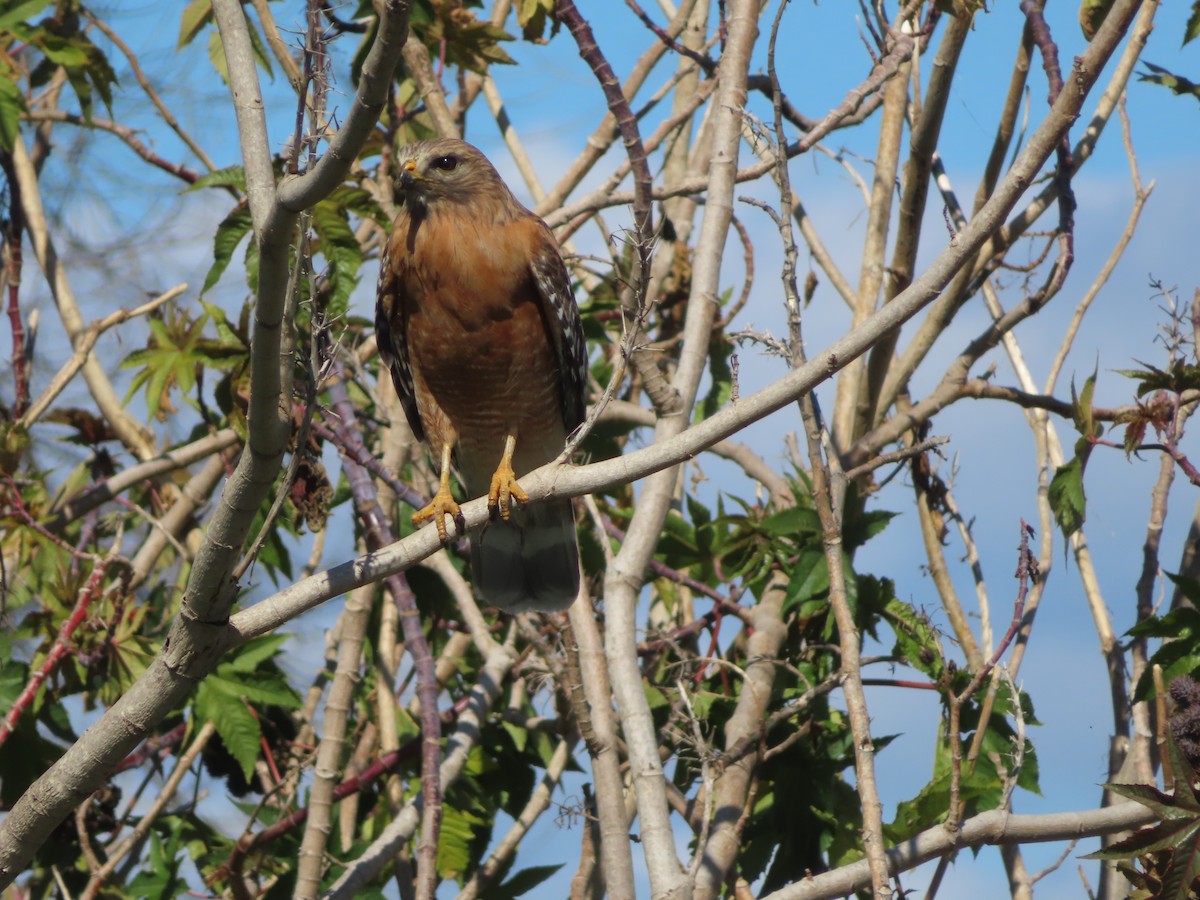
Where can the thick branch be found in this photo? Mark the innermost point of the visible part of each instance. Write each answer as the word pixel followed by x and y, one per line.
pixel 992 827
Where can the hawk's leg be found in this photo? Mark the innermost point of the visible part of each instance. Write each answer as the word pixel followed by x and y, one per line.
pixel 443 503
pixel 504 487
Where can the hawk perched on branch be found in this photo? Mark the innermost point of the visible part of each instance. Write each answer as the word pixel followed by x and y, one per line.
pixel 476 320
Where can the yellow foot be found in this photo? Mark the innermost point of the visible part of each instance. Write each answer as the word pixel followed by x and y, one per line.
pixel 504 489
pixel 442 505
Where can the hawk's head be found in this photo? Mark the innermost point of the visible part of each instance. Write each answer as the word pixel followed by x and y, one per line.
pixel 446 170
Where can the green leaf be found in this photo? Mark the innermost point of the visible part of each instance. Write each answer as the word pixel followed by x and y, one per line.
pixel 1067 498
pixel 524 881
pixel 700 514
pixel 1182 775
pixel 926 809
pixel 1092 14
pixel 1188 587
pixel 1176 657
pixel 250 263
pixel 341 250
pixel 1175 83
pixel 518 734
pixel 100 73
pixel 721 377
pixel 13 676
pixel 21 12
pixel 1162 805
pixel 268 690
pixel 259 47
pixel 454 842
pixel 12 105
pixel 1182 622
pixel 162 880
pixel 1184 872
pixel 1166 835
pixel 216 50
pixel 230 232
pixel 533 16
pixel 83 90
pixel 916 640
pixel 859 528
pixel 177 346
pixel 465 40
pixel 228 336
pixel 792 522
pixel 1179 377
pixel 1192 30
pixel 230 176
pixel 238 729
pixel 704 702
pixel 195 16
pixel 216 55
pixel 809 578
pixel 1082 410
pixel 255 652
pixel 64 52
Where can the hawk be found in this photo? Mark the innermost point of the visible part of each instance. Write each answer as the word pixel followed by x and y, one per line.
pixel 477 322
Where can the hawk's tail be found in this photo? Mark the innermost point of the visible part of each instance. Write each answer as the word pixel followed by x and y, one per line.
pixel 530 561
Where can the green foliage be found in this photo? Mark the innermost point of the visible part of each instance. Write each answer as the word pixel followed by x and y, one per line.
pixel 917 642
pixel 720 390
pixel 1179 654
pixel 459 827
pixel 453 26
pixel 178 350
pixel 235 226
pixel 228 177
pixel 59 41
pixel 17 13
pixel 981 784
pixel 26 754
pixel 198 15
pixel 801 790
pixel 247 681
pixel 961 8
pixel 12 106
pixel 1067 498
pixel 533 16
pixel 337 243
pixel 1178 377
pixel 1167 853
pixel 161 879
pixel 1177 84
pixel 523 883
pixel 1092 14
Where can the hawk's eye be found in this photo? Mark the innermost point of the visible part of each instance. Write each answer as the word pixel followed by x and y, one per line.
pixel 446 163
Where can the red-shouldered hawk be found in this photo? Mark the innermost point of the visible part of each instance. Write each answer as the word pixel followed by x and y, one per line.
pixel 477 322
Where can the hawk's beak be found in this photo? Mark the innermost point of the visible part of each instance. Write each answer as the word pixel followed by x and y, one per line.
pixel 408 173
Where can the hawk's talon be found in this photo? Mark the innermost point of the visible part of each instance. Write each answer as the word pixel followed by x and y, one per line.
pixel 504 488
pixel 443 504
pixel 504 491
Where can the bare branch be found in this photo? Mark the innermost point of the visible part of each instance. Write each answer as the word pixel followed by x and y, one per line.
pixel 993 827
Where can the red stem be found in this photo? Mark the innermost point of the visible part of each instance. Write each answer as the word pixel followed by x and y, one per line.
pixel 12 242
pixel 57 652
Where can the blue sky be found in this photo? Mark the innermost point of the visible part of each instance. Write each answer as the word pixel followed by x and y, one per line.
pixel 553 101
